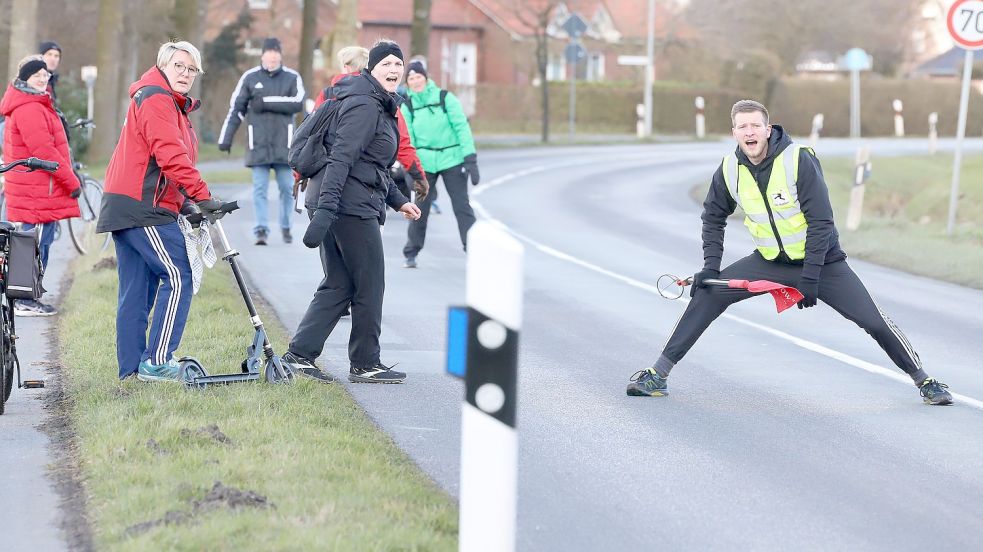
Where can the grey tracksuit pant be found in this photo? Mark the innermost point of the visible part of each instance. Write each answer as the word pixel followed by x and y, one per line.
pixel 839 287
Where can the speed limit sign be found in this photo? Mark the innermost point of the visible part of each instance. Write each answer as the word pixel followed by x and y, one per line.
pixel 965 22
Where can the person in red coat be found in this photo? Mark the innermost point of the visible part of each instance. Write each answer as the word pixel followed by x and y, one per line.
pixel 34 129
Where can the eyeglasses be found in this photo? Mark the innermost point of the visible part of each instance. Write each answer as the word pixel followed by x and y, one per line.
pixel 182 69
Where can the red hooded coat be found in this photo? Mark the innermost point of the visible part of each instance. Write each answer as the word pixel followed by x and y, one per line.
pixel 153 167
pixel 33 129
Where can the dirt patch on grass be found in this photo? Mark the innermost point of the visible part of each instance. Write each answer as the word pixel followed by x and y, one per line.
pixel 106 263
pixel 208 432
pixel 219 497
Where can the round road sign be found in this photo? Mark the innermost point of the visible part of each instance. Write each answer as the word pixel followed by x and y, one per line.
pixel 965 23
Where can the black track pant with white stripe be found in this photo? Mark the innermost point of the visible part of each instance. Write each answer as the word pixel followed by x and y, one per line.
pixel 839 287
pixel 154 272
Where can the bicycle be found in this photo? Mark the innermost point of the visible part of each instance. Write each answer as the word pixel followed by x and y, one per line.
pixel 8 334
pixel 82 229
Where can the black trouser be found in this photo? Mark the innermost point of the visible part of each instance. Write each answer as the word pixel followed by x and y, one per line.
pixel 839 287
pixel 456 182
pixel 354 272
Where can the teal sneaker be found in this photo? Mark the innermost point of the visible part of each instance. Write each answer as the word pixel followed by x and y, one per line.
pixel 648 383
pixel 171 371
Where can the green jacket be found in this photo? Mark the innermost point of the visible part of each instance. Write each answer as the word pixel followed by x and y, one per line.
pixel 442 140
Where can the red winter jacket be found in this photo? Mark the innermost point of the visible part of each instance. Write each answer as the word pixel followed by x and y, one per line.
pixel 153 167
pixel 34 129
pixel 405 152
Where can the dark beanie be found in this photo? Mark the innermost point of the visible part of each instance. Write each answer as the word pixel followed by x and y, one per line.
pixel 380 51
pixel 272 43
pixel 30 68
pixel 49 45
pixel 416 67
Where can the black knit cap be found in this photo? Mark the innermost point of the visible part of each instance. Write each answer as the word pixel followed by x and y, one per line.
pixel 380 51
pixel 416 67
pixel 49 45
pixel 30 68
pixel 272 43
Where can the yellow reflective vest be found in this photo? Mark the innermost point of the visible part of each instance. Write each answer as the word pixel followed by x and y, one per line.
pixel 776 223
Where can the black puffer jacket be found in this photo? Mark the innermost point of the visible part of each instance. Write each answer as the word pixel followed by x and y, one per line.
pixel 362 139
pixel 822 239
pixel 267 101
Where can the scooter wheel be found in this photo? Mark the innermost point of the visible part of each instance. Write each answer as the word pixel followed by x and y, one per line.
pixel 191 369
pixel 245 367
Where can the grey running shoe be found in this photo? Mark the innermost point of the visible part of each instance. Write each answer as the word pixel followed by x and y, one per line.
pixel 30 307
pixel 647 383
pixel 287 237
pixel 934 392
pixel 380 373
pixel 306 368
pixel 410 262
pixel 261 236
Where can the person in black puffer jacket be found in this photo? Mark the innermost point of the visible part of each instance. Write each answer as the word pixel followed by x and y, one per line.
pixel 347 202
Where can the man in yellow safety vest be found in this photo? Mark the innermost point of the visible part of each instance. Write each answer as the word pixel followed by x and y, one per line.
pixel 780 187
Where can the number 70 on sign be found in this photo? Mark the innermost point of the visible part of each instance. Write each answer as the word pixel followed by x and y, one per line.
pixel 965 23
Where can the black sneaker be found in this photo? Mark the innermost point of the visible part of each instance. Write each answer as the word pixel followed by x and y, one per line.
pixel 30 307
pixel 305 368
pixel 261 237
pixel 347 311
pixel 287 238
pixel 410 262
pixel 934 392
pixel 380 373
pixel 647 383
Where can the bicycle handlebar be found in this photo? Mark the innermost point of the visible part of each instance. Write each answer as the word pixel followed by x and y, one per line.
pixel 196 218
pixel 32 163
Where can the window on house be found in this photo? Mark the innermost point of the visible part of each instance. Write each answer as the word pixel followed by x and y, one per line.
pixel 595 66
pixel 260 4
pixel 556 68
pixel 253 47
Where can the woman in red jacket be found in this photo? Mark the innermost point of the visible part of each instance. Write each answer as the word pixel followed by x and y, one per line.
pixel 34 129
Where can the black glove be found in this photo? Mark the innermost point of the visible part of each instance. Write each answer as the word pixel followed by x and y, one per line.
pixel 317 230
pixel 809 287
pixel 471 167
pixel 227 148
pixel 209 205
pixel 706 273
pixel 422 188
pixel 76 193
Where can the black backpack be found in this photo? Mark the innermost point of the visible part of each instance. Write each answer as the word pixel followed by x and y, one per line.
pixel 442 104
pixel 308 153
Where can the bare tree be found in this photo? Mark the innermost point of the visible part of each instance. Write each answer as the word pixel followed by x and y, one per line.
pixel 420 31
pixel 188 18
pixel 107 85
pixel 345 32
pixel 308 29
pixel 536 18
pixel 23 35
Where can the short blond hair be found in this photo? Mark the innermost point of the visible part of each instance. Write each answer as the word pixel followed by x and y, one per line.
pixel 26 59
pixel 747 106
pixel 168 50
pixel 355 57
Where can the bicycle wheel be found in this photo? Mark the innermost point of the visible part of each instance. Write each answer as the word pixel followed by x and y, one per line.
pixel 83 229
pixel 6 351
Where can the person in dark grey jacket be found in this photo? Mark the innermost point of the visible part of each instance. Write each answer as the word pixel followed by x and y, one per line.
pixel 347 203
pixel 267 97
pixel 781 189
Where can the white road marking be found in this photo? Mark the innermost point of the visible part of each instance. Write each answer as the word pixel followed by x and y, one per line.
pixel 890 373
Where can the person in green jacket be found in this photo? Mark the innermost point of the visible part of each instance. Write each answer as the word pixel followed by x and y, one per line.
pixel 442 137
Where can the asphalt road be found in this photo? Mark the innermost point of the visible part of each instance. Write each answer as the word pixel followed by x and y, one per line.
pixel 780 431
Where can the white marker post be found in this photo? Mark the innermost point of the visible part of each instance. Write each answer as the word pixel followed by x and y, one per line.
pixel 898 118
pixel 483 349
pixel 817 125
pixel 933 132
pixel 965 24
pixel 860 175
pixel 701 120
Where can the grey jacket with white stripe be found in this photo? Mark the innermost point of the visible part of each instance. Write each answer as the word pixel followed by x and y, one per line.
pixel 267 101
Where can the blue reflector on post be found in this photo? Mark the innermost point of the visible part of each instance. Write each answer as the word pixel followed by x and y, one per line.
pixel 457 341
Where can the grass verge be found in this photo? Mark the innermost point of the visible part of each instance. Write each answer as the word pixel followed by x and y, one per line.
pixel 251 466
pixel 905 211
